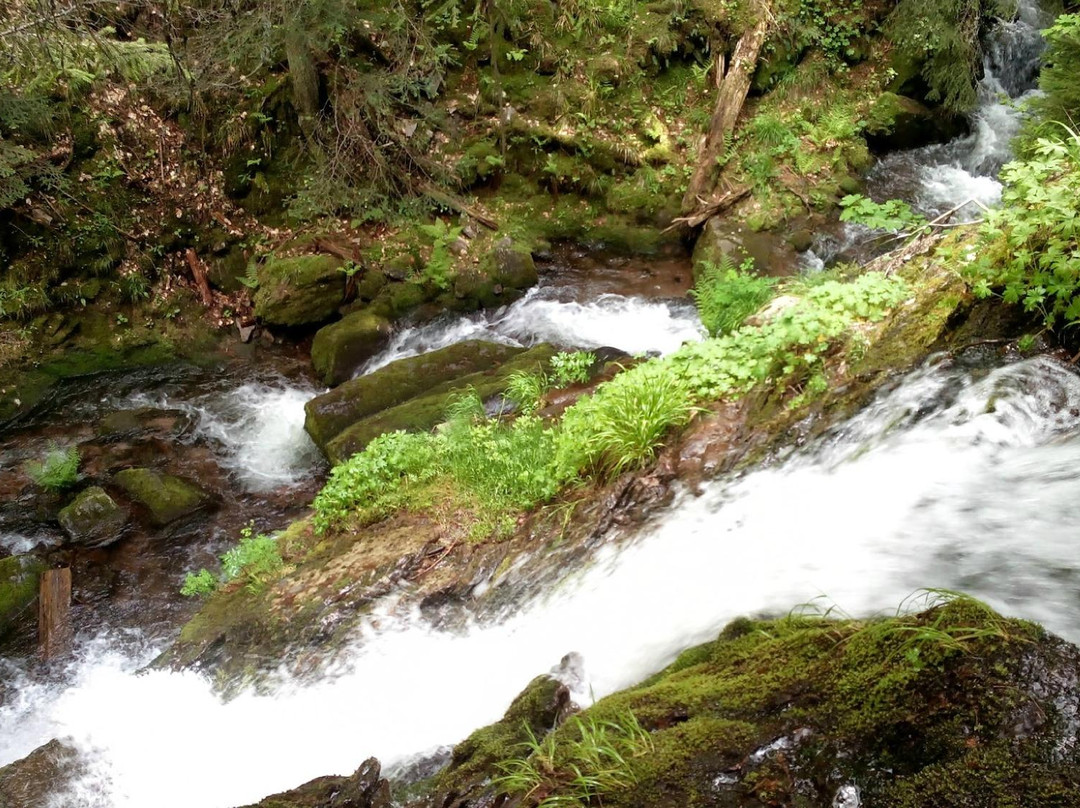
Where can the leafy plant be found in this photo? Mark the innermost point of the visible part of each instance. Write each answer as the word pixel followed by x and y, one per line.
pixel 256 559
pixel 894 215
pixel 1028 249
pixel 525 390
pixel 579 764
pixel 725 296
pixel 439 263
pixel 571 367
pixel 57 470
pixel 369 479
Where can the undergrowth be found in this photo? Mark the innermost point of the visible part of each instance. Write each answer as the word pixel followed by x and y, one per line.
pixel 256 561
pixel 57 470
pixel 726 295
pixel 508 465
pixel 585 760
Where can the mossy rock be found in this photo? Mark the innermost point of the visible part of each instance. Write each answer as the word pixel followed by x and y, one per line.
pixel 331 413
pixel 506 271
pixel 725 240
pixel 955 707
pixel 19 576
pixel 301 290
pixel 93 519
pixel 339 348
pixel 429 410
pixel 535 711
pixel 167 498
pixel 896 122
pixel 396 299
pixel 363 789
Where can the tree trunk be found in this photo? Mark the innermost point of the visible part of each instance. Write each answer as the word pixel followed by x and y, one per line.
pixel 54 612
pixel 729 103
pixel 303 74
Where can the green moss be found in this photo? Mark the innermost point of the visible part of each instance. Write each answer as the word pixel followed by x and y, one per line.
pixel 329 414
pixel 301 290
pixel 787 711
pixel 18 588
pixel 428 410
pixel 167 498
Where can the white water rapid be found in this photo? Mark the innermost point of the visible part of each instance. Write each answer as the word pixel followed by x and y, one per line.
pixel 633 324
pixel 256 428
pixel 959 477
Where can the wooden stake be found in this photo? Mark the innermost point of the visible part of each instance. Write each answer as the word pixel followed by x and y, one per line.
pixel 54 612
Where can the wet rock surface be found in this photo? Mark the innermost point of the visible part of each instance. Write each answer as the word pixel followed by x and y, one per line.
pixel 363 789
pixel 34 780
pixel 330 414
pixel 93 519
pixel 814 712
pixel 19 577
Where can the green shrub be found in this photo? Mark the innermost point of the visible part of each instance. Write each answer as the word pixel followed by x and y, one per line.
pixel 256 559
pixel 572 367
pixel 584 761
pixel 369 478
pixel 893 215
pixel 525 390
pixel 624 422
pixel 1060 99
pixel 1028 249
pixel 504 465
pixel 57 470
pixel 725 296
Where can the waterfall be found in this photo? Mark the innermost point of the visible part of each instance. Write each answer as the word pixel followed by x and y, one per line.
pixel 959 477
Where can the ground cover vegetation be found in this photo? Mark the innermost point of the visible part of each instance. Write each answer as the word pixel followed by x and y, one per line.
pixel 131 135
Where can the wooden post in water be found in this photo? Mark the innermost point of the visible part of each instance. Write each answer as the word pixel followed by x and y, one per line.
pixel 54 612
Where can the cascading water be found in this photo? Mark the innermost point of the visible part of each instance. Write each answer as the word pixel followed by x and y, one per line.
pixel 959 477
pixel 257 426
pixel 938 178
pixel 547 313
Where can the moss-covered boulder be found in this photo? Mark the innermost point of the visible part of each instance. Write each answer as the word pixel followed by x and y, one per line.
pixel 329 414
pixel 19 576
pixel 953 707
pixel 93 519
pixel 301 290
pixel 340 347
pixel 363 789
pixel 512 265
pixel 428 410
pixel 723 240
pixel 167 498
pixel 897 122
pixel 35 780
pixel 534 712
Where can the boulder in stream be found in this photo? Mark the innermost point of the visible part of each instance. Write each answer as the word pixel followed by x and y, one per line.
pixel 300 290
pixel 331 413
pixel 37 779
pixel 724 240
pixel 93 519
pixel 19 576
pixel 429 410
pixel 363 789
pixel 339 348
pixel 167 498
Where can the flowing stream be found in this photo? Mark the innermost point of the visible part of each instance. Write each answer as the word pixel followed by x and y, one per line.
pixel 582 302
pixel 940 177
pixel 962 476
